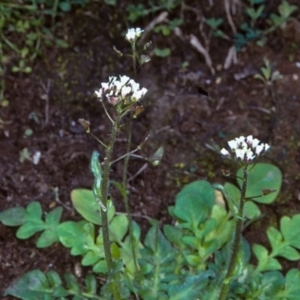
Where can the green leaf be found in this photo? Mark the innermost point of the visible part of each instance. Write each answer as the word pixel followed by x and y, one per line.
pixel 100 267
pixel 191 288
pixel 49 236
pixel 232 195
pixel 275 237
pixel 72 283
pixel 87 206
pixel 64 6
pixel 261 177
pixel 56 284
pixel 162 52
pixel 118 228
pixel 74 235
pixel 194 203
pixel 14 216
pixel 173 234
pixel 191 241
pixel 32 285
pixel 91 284
pixel 290 228
pixel 33 222
pixel 111 2
pixel 193 260
pixel 292 288
pixel 285 9
pixel 214 23
pixel 221 230
pixel 251 210
pixel 91 258
pixel 280 246
pixel 158 243
pixel 272 282
pixel 265 262
pixel 289 253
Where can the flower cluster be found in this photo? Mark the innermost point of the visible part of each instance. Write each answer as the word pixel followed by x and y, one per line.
pixel 123 90
pixel 245 148
pixel 133 34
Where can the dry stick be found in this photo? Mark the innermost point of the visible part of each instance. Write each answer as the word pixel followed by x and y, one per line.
pixel 197 44
pixel 236 240
pixel 228 14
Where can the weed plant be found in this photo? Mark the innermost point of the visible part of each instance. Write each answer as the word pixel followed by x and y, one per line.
pixel 203 254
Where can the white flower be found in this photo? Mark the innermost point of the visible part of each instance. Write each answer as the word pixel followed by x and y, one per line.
pixel 99 93
pixel 124 79
pixel 121 89
pixel 125 91
pixel 233 144
pixel 259 149
pixel 133 34
pixel 139 94
pixel 245 148
pixel 225 152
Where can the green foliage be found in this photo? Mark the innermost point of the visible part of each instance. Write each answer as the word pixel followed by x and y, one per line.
pixel 84 202
pixel 266 75
pixel 38 285
pixel 138 11
pixel 24 33
pixel 283 243
pixel 185 260
pixel 262 179
pixel 31 222
pixel 250 30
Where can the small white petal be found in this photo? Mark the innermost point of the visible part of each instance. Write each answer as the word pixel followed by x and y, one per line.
pixel 104 85
pixel 133 34
pixel 250 155
pixel 99 93
pixel 124 79
pixel 225 152
pixel 240 139
pixel 259 149
pixel 267 147
pixel 240 154
pixel 249 139
pixel 144 91
pixel 233 144
pixel 118 85
pixel 255 142
pixel 125 91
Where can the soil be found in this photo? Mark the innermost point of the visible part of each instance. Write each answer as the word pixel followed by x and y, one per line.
pixel 178 116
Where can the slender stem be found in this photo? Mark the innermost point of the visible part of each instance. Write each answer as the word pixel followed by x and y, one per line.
pixel 125 167
pixel 134 57
pixel 125 198
pixel 104 194
pixel 239 221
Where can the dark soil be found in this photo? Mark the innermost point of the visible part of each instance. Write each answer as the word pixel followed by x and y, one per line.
pixel 59 91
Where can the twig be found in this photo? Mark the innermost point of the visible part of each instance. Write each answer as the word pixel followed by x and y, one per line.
pixel 228 14
pixel 198 46
pixel 45 96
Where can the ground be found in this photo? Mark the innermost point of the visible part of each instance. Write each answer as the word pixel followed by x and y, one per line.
pixel 59 91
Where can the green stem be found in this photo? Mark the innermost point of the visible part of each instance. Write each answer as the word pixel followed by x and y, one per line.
pixel 134 57
pixel 125 168
pixel 104 194
pixel 125 198
pixel 239 221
